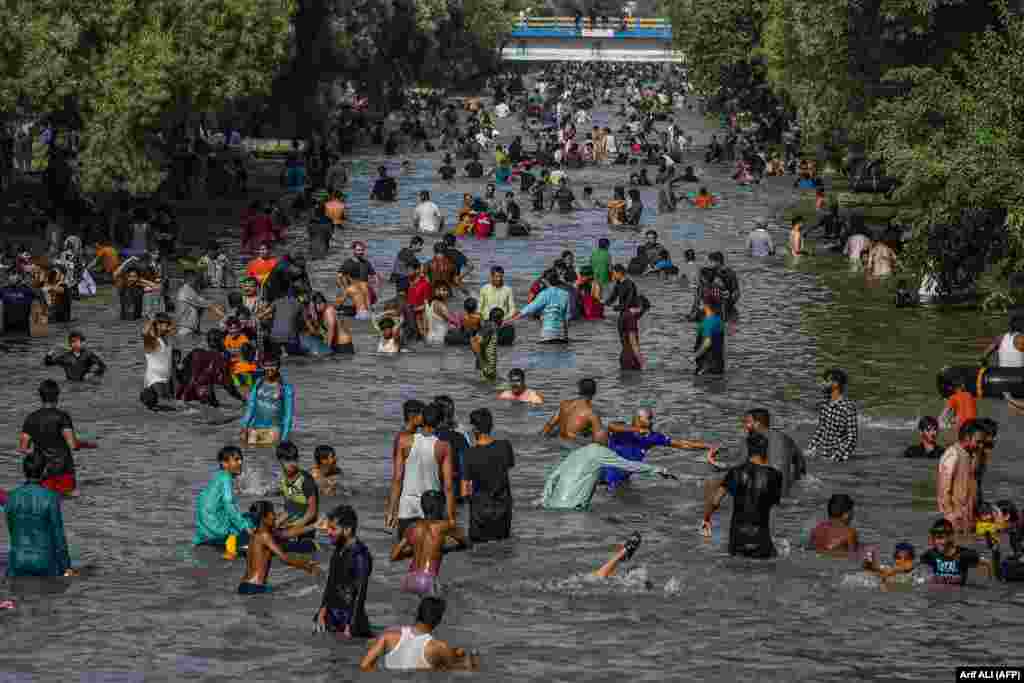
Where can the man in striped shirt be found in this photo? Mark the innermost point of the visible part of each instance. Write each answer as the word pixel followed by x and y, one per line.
pixel 836 436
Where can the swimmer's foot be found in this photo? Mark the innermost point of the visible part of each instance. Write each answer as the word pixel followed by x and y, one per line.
pixel 631 546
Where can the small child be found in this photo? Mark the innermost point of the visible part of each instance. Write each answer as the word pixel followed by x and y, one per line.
pixel 664 266
pixel 903 563
pixel 263 547
pixel 961 404
pixel 389 336
pixel 325 472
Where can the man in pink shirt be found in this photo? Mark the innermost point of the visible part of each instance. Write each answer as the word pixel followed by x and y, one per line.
pixel 956 487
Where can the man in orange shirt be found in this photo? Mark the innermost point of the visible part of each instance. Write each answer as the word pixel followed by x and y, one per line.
pixel 704 200
pixel 962 404
pixel 107 257
pixel 261 266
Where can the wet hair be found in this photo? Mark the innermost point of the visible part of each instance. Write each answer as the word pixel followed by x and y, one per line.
pixel 75 334
pixel 989 426
pixel 34 465
pixel 839 504
pixel 517 373
pixel 447 406
pixel 432 415
pixel 260 509
pixel 941 527
pixel 438 247
pixel 345 517
pixel 717 257
pixel 482 420
pixel 587 387
pixel 287 451
pixel 927 422
pixel 904 548
pixel 430 611
pixel 215 340
pixel 619 268
pixel 433 505
pixel 970 429
pixel 470 305
pixel 496 315
pixel 689 254
pixel 757 445
pixel 836 376
pixel 603 243
pixel 49 391
pixel 797 220
pixel 761 416
pixel 497 269
pixel 228 452
pixel 411 409
pixel 322 453
pixel 1010 510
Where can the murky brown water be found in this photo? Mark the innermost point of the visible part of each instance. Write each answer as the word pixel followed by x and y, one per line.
pixel 152 609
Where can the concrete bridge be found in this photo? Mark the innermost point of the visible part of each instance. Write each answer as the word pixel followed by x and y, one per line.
pixel 551 39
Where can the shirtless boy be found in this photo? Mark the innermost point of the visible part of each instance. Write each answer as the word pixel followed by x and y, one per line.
pixel 576 416
pixel 263 548
pixel 358 292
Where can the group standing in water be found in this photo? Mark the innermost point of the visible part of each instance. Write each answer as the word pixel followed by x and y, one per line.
pixel 439 465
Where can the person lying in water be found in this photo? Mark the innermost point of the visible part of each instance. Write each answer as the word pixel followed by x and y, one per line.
pixel 263 548
pixel 424 542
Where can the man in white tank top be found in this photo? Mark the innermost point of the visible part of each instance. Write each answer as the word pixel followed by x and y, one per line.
pixel 414 648
pixel 423 465
pixel 1009 347
pixel 156 342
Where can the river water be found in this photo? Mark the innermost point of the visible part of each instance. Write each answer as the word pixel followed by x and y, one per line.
pixel 150 608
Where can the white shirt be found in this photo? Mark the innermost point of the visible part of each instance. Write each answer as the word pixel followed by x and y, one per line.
pixel 427 217
pixel 856 245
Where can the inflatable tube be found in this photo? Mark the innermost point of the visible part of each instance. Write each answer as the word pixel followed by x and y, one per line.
pixel 982 381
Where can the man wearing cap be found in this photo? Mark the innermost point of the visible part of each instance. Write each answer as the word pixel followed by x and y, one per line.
pixel 836 436
pixel 760 243
pixel 518 391
pixel 269 411
pixel 632 442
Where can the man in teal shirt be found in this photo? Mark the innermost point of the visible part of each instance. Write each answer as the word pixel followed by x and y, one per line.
pixel 570 486
pixel 270 408
pixel 600 262
pixel 553 305
pixel 217 513
pixel 35 526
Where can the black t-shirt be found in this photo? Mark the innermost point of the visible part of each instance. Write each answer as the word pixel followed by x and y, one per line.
pixel 46 428
pixel 488 467
pixel 474 169
pixel 950 570
pixel 17 303
pixel 514 214
pixel 385 189
pixel 755 490
pixel 526 181
pixel 447 172
pixel 918 451
pixel 297 495
pixel 358 269
pixel 565 198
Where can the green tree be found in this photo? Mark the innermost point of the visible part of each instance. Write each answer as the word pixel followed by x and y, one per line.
pixel 956 142
pixel 125 68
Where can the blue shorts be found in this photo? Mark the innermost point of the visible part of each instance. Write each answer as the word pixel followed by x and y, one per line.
pixel 253 588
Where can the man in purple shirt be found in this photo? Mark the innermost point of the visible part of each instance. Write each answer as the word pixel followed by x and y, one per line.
pixel 633 441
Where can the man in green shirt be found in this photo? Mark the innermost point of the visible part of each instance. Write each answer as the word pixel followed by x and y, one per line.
pixel 497 294
pixel 217 513
pixel 570 486
pixel 600 262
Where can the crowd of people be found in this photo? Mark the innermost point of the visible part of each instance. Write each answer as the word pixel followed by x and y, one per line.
pixel 440 466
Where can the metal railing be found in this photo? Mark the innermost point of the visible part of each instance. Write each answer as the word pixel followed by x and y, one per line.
pixel 639 26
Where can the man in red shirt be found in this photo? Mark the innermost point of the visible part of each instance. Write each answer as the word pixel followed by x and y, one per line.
pixel 419 294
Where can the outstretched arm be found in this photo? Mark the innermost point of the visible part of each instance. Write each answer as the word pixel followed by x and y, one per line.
pixel 552 424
